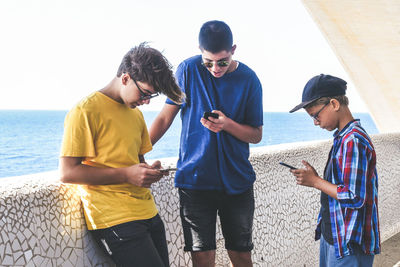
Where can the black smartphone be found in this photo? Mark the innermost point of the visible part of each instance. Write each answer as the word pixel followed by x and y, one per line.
pixel 168 170
pixel 210 114
pixel 287 165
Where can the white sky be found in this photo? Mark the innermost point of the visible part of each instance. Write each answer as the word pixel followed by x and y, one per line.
pixel 55 52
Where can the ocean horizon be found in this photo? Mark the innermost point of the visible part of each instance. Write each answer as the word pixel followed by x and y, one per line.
pixel 30 140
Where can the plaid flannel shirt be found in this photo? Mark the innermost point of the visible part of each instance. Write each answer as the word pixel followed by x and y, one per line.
pixel 354 216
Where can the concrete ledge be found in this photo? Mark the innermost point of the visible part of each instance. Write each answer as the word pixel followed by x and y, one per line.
pixel 390 256
pixel 42 224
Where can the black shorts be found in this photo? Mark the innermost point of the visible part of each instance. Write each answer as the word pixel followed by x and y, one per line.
pixel 199 209
pixel 137 243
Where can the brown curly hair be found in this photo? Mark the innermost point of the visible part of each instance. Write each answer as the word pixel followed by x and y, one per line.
pixel 148 65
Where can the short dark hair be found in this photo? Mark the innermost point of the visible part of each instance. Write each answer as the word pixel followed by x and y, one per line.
pixel 148 65
pixel 215 36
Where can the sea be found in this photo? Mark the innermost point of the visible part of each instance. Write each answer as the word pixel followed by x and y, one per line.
pixel 30 140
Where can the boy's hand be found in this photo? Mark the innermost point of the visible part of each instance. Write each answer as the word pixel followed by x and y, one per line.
pixel 143 175
pixel 213 124
pixel 156 165
pixel 307 176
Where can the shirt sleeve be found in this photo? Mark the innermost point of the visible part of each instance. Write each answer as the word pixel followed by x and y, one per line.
pixel 146 142
pixel 180 76
pixel 352 193
pixel 78 139
pixel 254 107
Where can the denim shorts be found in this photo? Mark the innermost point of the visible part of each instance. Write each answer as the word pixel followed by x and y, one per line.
pixel 199 209
pixel 137 243
pixel 327 256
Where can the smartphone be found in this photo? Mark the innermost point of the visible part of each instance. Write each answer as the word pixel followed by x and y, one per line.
pixel 210 114
pixel 287 165
pixel 168 170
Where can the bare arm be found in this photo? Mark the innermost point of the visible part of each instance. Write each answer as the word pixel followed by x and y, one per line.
pixel 245 133
pixel 162 122
pixel 309 177
pixel 326 187
pixel 142 175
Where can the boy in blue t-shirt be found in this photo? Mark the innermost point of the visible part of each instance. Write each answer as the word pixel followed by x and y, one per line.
pixel 214 174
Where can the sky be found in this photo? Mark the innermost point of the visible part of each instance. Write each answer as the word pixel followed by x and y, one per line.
pixel 55 52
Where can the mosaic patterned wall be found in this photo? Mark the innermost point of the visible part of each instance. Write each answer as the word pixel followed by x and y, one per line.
pixel 42 224
pixel 41 221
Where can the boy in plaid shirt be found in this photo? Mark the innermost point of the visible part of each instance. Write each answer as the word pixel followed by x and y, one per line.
pixel 348 223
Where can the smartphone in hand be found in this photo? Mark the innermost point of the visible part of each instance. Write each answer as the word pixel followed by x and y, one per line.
pixel 168 170
pixel 287 165
pixel 210 114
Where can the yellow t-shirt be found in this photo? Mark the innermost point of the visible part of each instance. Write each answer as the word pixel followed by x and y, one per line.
pixel 109 135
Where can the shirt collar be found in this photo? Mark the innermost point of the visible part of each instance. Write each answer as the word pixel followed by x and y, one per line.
pixel 350 125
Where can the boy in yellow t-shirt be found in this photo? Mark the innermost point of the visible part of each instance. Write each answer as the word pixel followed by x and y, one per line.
pixel 105 138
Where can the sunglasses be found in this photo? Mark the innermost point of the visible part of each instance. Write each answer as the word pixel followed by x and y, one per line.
pixel 221 63
pixel 143 95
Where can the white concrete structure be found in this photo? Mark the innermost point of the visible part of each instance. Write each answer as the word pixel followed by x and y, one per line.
pixel 364 34
pixel 41 220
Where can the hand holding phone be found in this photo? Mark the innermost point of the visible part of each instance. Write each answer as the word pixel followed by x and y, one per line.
pixel 287 165
pixel 210 114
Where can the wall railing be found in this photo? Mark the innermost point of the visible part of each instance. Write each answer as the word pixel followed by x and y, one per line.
pixel 41 220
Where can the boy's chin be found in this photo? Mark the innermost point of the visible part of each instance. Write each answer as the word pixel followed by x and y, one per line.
pixel 329 129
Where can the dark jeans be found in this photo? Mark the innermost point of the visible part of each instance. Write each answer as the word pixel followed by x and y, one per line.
pixel 199 211
pixel 137 243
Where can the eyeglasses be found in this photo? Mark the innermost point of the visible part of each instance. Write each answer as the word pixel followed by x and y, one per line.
pixel 143 95
pixel 221 63
pixel 315 116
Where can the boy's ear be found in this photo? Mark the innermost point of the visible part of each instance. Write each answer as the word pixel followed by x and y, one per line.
pixel 335 104
pixel 233 49
pixel 125 78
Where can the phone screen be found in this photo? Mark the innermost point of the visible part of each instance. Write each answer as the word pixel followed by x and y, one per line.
pixel 168 170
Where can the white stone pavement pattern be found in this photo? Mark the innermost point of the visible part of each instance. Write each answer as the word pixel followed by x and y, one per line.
pixel 42 223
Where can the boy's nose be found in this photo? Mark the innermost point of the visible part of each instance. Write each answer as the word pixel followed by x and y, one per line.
pixel 215 67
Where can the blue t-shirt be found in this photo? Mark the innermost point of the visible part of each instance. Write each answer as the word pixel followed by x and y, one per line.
pixel 208 160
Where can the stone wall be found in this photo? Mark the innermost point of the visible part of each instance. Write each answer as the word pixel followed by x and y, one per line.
pixel 41 220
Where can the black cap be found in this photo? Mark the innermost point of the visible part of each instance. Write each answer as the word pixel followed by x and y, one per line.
pixel 321 86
